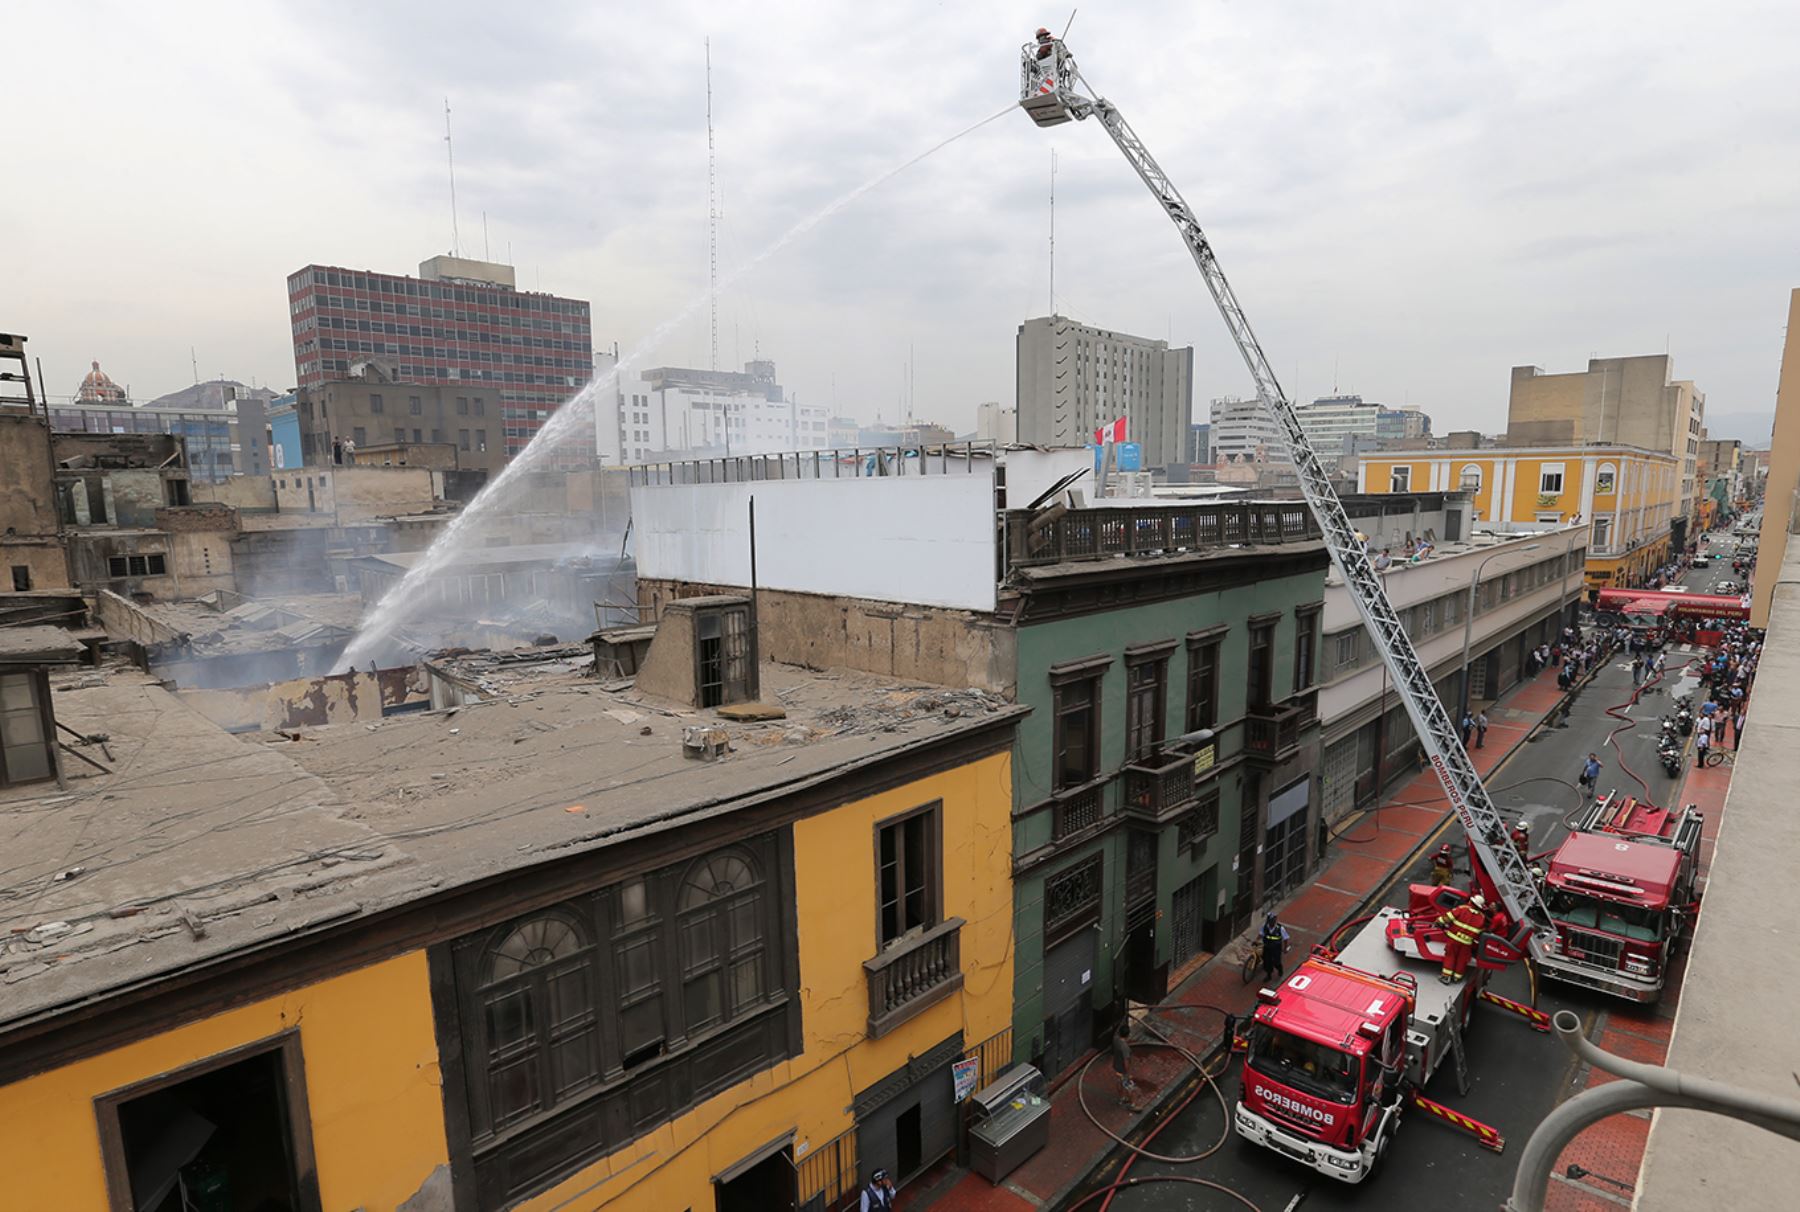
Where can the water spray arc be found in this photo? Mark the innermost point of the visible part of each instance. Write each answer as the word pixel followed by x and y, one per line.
pixel 380 630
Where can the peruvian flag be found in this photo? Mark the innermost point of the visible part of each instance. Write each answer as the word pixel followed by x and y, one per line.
pixel 1111 432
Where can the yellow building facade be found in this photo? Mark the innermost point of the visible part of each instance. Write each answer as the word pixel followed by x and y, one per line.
pixel 801 1046
pixel 1627 494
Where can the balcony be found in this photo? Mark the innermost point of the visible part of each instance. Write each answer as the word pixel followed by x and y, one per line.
pixel 1049 537
pixel 1077 808
pixel 912 974
pixel 1272 733
pixel 1159 787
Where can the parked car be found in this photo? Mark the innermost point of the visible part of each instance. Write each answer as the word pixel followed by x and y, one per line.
pixel 1728 587
pixel 1702 561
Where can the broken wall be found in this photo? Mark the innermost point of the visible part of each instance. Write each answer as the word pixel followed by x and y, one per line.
pixel 253 494
pixel 917 643
pixel 122 618
pixel 336 698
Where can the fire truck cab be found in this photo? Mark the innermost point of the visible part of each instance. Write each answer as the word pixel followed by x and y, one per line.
pixel 1621 889
pixel 1338 1051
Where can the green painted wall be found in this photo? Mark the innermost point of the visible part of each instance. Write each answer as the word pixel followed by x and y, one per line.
pixel 1111 632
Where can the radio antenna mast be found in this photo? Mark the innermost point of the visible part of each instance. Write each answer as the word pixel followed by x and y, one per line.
pixel 712 214
pixel 450 155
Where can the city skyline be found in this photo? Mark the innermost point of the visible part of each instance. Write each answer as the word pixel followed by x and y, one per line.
pixel 1458 239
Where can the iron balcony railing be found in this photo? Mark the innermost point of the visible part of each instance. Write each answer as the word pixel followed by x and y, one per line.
pixel 1050 536
pixel 913 974
pixel 1075 808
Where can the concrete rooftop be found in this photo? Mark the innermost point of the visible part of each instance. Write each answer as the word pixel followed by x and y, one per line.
pixel 200 843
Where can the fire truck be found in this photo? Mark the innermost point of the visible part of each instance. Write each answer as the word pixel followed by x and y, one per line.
pixel 1621 890
pixel 1655 615
pixel 1338 1052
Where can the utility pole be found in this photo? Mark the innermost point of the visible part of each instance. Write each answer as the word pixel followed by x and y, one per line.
pixel 1053 231
pixel 450 155
pixel 712 215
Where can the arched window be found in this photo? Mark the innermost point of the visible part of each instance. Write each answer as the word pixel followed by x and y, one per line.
pixel 720 910
pixel 539 1021
pixel 1471 477
pixel 1606 479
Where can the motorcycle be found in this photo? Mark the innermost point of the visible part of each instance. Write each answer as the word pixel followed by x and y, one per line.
pixel 1670 757
pixel 1684 716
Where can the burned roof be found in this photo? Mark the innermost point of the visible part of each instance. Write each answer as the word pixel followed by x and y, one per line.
pixel 200 844
pixel 39 644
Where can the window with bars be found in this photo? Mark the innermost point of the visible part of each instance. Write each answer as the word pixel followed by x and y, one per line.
pixel 153 564
pixel 1198 826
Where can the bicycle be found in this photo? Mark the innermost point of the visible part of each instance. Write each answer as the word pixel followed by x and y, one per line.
pixel 1716 756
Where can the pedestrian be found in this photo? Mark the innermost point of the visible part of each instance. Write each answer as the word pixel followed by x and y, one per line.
pixel 878 1196
pixel 1661 657
pixel 1562 677
pixel 1384 561
pixel 1443 866
pixel 1462 926
pixel 1521 838
pixel 1468 726
pixel 1481 729
pixel 1590 774
pixel 1702 743
pixel 1121 1063
pixel 1737 729
pixel 1637 672
pixel 1274 939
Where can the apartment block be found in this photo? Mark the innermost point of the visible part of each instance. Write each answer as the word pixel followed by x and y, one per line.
pixel 1073 378
pixel 461 324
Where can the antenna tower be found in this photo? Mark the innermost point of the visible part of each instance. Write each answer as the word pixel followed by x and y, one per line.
pixel 450 155
pixel 712 214
pixel 1053 230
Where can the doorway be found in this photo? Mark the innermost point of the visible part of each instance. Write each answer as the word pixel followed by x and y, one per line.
pixel 1068 1001
pixel 766 1186
pixel 909 1141
pixel 228 1133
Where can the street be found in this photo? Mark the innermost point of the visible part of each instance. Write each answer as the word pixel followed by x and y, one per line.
pixel 1517 1074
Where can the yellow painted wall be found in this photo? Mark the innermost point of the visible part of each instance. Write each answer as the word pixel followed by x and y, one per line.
pixel 372 1088
pixel 834 867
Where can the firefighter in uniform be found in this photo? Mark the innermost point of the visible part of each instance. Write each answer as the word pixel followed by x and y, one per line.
pixel 1443 865
pixel 1462 926
pixel 1521 839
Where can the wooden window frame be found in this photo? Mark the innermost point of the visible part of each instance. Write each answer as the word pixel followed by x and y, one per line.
pixel 1156 666
pixel 1210 645
pixel 1306 646
pixel 1264 696
pixel 934 872
pixel 1088 683
pixel 299 1116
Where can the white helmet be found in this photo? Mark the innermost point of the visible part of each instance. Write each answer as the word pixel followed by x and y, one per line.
pixel 1478 901
pixel 1524 824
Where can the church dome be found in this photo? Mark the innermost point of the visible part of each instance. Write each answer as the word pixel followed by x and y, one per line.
pixel 97 387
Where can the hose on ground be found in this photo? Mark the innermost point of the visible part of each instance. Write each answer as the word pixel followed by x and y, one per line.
pixel 1112 1189
pixel 1207 1080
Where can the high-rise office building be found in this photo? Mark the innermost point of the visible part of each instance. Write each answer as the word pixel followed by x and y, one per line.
pixel 460 324
pixel 1243 432
pixel 1074 378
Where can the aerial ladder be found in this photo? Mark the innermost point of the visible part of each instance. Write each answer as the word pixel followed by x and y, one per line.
pixel 1052 91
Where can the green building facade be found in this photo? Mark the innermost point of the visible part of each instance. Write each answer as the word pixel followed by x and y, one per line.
pixel 1139 847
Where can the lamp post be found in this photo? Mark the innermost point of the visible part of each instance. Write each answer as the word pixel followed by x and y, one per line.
pixel 1469 620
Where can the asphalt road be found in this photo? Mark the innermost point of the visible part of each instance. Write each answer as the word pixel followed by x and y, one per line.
pixel 1517 1074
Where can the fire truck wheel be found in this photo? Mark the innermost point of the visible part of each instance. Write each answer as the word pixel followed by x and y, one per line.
pixel 1381 1149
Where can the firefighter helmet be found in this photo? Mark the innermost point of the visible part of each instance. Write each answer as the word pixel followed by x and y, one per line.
pixel 1479 901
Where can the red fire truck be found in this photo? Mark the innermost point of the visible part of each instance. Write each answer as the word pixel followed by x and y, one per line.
pixel 1656 614
pixel 1621 889
pixel 1336 1055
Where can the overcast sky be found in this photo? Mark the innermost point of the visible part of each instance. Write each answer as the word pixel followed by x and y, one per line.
pixel 1409 198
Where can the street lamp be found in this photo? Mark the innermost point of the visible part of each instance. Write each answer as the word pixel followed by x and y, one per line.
pixel 1469 621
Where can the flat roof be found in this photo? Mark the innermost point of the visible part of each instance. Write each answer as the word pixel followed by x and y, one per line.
pixel 514 553
pixel 259 837
pixel 39 644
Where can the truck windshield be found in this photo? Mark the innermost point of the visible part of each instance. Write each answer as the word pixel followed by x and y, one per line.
pixel 1320 1071
pixel 1590 913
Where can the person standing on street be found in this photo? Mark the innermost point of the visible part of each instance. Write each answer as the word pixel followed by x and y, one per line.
pixel 1443 865
pixel 1468 726
pixel 1274 940
pixel 1702 743
pixel 1481 730
pixel 1737 729
pixel 1590 774
pixel 1121 1063
pixel 1637 672
pixel 878 1196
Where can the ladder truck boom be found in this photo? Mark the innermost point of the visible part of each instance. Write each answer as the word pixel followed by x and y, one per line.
pixel 1048 93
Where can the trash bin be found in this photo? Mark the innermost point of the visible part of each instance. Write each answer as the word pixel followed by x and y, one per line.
pixel 1011 1121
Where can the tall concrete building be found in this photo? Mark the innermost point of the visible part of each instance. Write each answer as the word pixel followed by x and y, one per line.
pixel 1074 378
pixel 1403 423
pixel 1332 422
pixel 1615 401
pixel 1243 432
pixel 460 324
pixel 997 422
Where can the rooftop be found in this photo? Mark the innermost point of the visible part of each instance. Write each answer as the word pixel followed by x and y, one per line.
pixel 199 844
pixel 38 644
pixel 258 624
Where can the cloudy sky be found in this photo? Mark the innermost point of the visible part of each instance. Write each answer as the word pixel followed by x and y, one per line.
pixel 1409 197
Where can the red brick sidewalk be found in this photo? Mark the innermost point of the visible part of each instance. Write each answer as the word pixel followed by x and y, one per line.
pixel 1614 1147
pixel 1359 862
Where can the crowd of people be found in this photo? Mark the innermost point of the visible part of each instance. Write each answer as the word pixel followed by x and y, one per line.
pixel 1727 674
